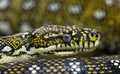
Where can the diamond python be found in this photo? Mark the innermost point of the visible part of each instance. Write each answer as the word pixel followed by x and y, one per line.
pixel 33 13
pixel 21 53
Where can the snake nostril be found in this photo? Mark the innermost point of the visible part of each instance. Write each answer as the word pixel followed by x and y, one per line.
pixel 92 34
pixel 66 37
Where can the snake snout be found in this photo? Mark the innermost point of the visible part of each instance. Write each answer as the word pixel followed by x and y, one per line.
pixel 95 38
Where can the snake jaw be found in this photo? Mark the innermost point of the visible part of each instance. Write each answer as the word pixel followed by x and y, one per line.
pixel 61 39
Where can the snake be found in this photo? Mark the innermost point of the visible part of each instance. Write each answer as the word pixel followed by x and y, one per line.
pixel 55 49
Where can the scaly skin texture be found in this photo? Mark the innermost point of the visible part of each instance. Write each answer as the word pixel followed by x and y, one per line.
pixel 64 12
pixel 48 40
pixel 108 25
pixel 91 65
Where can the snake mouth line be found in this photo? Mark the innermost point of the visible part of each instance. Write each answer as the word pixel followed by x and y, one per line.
pixel 74 50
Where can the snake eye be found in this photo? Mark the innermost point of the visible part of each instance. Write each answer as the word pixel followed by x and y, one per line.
pixel 66 37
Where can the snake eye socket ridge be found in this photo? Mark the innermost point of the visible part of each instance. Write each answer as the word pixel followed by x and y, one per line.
pixel 66 38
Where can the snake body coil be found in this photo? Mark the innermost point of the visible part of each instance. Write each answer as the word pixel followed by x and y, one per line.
pixel 54 41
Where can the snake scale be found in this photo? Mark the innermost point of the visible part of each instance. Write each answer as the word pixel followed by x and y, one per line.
pixel 21 53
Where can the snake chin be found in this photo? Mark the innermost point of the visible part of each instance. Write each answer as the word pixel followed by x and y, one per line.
pixel 62 51
pixel 67 52
pixel 8 59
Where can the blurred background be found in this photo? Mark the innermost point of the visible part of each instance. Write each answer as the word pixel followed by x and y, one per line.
pixel 104 15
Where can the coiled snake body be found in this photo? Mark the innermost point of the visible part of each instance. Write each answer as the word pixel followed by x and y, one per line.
pixel 46 51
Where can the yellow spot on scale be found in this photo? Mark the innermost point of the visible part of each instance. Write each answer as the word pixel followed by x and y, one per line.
pixel 104 62
pixel 91 68
pixel 86 31
pixel 52 35
pixel 9 69
pixel 66 72
pixel 22 69
pixel 48 70
pixel 11 72
pixel 60 67
pixel 91 45
pixel 97 68
pixel 101 64
pixel 41 40
pixel 105 68
pixel 56 64
pixel 5 72
pixel 75 38
pixel 21 64
pixel 58 41
pixel 60 72
pixel 86 44
pixel 93 38
pixel 15 69
pixel 52 67
pixel 46 36
pixel 48 65
pixel 49 61
pixel 84 38
pixel 60 33
pixel 73 33
pixel 89 62
pixel 89 65
pixel 63 45
pixel 73 27
pixel 80 44
pixel 102 72
pixel 72 45
pixel 89 72
pixel 18 72
pixel 67 31
pixel 94 72
pixel 97 62
pixel 55 70
pixel 110 71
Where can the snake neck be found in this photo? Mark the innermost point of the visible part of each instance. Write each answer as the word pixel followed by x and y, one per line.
pixel 10 44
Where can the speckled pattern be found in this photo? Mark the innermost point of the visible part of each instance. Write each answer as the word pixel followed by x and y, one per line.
pixel 48 40
pixel 23 15
pixel 13 63
pixel 96 65
pixel 103 15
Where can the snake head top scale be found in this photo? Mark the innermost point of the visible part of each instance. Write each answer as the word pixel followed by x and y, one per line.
pixel 55 39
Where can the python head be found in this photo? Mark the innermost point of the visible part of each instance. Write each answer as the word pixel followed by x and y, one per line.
pixel 63 40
